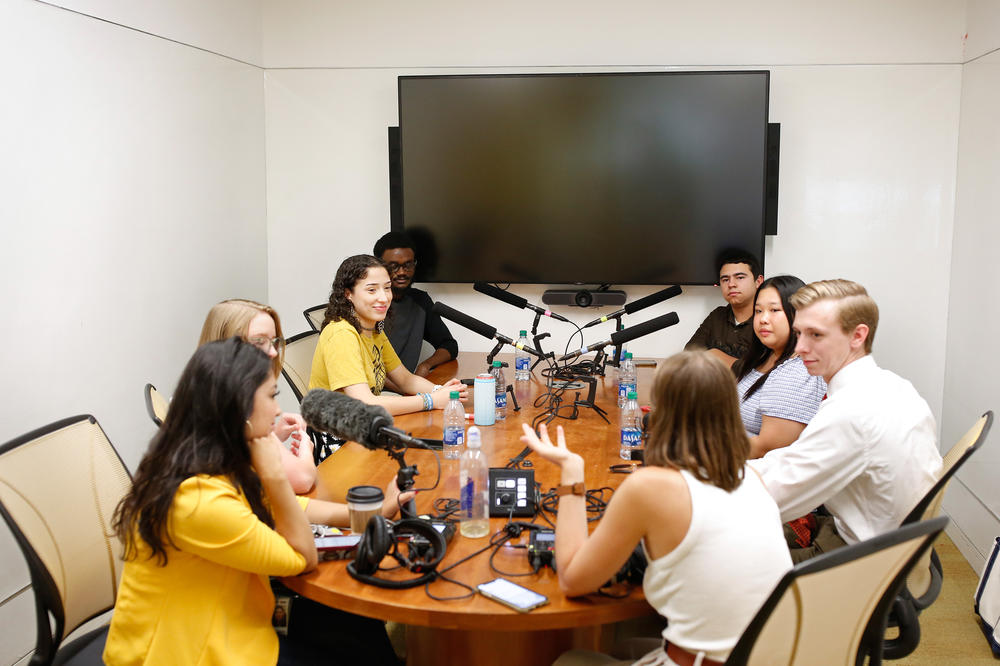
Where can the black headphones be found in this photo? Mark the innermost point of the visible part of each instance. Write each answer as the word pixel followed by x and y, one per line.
pixel 424 549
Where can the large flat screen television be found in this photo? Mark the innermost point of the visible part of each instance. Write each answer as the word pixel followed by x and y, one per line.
pixel 623 178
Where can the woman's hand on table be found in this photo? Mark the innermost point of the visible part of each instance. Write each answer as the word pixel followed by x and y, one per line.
pixel 443 394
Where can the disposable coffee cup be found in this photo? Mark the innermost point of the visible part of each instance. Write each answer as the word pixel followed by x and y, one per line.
pixel 363 502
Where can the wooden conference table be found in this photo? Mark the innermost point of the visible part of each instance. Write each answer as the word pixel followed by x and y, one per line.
pixel 477 630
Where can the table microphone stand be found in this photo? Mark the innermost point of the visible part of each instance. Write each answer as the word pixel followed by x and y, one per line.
pixel 616 358
pixel 404 478
pixel 491 355
pixel 537 338
pixel 589 402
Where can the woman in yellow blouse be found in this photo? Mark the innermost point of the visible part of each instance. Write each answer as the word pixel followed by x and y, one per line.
pixel 210 515
pixel 354 355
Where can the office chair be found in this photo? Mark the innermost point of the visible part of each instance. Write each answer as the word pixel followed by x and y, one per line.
pixel 297 367
pixel 831 609
pixel 923 585
pixel 59 487
pixel 156 405
pixel 314 316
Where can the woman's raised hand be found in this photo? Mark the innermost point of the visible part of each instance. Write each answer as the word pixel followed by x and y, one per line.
pixel 556 453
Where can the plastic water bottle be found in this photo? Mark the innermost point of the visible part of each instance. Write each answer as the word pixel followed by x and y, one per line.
pixel 473 491
pixel 454 427
pixel 631 423
pixel 501 399
pixel 522 361
pixel 626 378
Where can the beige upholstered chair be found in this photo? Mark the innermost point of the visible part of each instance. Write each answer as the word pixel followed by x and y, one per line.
pixel 831 609
pixel 156 404
pixel 924 583
pixel 59 487
pixel 314 316
pixel 299 350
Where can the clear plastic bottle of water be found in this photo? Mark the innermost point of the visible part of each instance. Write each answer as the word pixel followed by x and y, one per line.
pixel 473 491
pixel 454 427
pixel 522 361
pixel 501 399
pixel 631 425
pixel 626 378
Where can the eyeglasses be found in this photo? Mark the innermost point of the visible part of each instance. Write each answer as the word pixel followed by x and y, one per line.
pixel 264 344
pixel 408 266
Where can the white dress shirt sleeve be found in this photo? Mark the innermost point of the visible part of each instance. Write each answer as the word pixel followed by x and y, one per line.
pixel 827 456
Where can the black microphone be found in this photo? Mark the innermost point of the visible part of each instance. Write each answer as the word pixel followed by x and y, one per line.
pixel 644 302
pixel 349 418
pixel 515 300
pixel 477 326
pixel 629 334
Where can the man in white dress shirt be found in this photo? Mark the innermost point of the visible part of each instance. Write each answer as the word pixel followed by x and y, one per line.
pixel 870 453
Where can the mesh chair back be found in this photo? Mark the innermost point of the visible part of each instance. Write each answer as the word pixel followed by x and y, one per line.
pixel 156 405
pixel 299 350
pixel 314 316
pixel 921 579
pixel 59 487
pixel 820 610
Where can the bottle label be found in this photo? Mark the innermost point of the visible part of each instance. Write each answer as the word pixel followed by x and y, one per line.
pixel 624 388
pixel 522 363
pixel 454 436
pixel 501 401
pixel 466 497
pixel 631 437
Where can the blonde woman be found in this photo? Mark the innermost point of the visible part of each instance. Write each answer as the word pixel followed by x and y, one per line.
pixel 259 325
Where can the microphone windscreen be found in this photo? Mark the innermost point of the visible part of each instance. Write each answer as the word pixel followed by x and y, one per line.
pixel 653 299
pixel 500 294
pixel 645 328
pixel 344 416
pixel 464 320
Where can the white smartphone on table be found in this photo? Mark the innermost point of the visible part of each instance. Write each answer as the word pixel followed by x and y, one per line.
pixel 511 594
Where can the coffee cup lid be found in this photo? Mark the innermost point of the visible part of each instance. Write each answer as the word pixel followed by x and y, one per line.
pixel 365 494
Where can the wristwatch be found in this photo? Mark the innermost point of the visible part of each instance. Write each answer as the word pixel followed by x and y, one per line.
pixel 575 489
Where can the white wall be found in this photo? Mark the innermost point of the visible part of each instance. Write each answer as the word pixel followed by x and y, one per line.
pixel 587 33
pixel 970 387
pixel 133 198
pixel 228 27
pixel 867 164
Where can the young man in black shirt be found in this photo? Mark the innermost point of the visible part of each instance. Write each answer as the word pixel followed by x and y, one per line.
pixel 410 319
pixel 728 329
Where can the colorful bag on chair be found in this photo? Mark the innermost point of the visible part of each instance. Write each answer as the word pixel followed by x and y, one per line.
pixel 988 599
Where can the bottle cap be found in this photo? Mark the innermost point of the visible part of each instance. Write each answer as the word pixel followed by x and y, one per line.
pixel 472 440
pixel 496 364
pixel 524 334
pixel 632 395
pixel 628 354
pixel 453 395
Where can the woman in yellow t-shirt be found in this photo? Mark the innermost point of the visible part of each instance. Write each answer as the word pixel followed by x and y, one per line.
pixel 210 515
pixel 354 355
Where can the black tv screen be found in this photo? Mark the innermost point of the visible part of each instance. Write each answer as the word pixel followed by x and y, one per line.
pixel 625 178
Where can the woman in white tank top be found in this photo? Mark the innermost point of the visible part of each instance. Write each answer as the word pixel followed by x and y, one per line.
pixel 711 532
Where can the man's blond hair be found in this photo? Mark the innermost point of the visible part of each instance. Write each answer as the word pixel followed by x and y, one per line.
pixel 855 306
